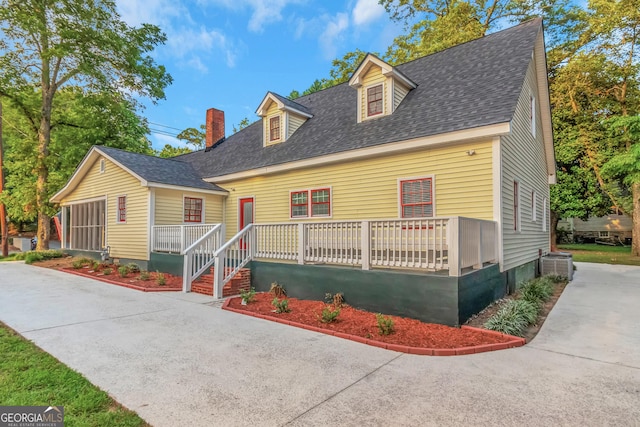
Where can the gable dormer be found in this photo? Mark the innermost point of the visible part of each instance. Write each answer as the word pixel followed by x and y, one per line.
pixel 381 88
pixel 281 117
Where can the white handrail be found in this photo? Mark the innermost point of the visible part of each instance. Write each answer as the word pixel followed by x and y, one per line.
pixel 231 257
pixel 199 256
pixel 175 238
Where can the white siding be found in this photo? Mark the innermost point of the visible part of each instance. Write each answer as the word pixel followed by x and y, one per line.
pixel 399 92
pixel 294 123
pixel 523 160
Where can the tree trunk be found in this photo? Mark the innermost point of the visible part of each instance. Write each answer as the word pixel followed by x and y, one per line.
pixel 635 245
pixel 553 229
pixel 4 241
pixel 42 202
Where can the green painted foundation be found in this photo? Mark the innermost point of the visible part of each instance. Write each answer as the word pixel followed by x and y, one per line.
pixel 430 297
pixel 166 263
pixel 518 275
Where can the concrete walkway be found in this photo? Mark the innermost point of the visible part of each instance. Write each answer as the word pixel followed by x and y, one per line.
pixel 178 359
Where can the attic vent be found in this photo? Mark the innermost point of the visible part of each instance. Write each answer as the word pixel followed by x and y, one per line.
pixel 102 165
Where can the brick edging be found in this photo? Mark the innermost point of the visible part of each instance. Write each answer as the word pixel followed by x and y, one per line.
pixel 513 342
pixel 125 285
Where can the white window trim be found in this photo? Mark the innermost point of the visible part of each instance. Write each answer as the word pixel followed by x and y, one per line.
pixel 126 209
pixel 544 214
pixel 534 206
pixel 366 101
pixel 532 100
pixel 433 192
pixel 253 213
pixel 309 213
pixel 518 226
pixel 202 214
pixel 103 165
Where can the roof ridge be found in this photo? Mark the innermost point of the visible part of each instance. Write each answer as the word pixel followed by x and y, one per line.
pixel 141 154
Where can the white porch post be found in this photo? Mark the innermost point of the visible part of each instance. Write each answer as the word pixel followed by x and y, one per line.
pixel 182 243
pixel 453 237
pixel 301 243
pixel 365 245
pixel 479 264
pixel 186 273
pixel 218 275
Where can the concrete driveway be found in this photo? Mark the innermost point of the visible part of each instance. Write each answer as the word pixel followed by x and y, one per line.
pixel 178 359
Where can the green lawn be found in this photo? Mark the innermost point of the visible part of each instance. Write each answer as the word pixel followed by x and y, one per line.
pixel 29 376
pixel 590 252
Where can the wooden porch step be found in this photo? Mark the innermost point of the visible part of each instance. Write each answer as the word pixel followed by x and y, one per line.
pixel 241 281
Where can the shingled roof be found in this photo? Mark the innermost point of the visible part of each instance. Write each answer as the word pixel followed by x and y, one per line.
pixel 470 85
pixel 159 170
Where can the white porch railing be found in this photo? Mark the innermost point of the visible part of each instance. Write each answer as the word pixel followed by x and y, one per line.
pixel 199 256
pixel 176 238
pixel 232 256
pixel 452 244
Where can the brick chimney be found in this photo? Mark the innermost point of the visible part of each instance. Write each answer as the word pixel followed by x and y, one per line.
pixel 214 128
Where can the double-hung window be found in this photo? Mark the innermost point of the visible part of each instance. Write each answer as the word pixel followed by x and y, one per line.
pixel 310 203
pixel 374 100
pixel 192 209
pixel 122 209
pixel 274 128
pixel 416 198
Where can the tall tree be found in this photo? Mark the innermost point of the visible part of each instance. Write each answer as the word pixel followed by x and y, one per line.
pixel 243 124
pixel 170 151
pixel 194 137
pixel 4 242
pixel 49 44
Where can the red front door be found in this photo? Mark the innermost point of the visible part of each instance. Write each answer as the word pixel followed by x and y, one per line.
pixel 245 214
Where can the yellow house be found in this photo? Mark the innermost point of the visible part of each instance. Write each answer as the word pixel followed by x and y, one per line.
pixel 420 189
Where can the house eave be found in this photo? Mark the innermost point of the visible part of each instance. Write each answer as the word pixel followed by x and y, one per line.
pixel 185 188
pixel 483 132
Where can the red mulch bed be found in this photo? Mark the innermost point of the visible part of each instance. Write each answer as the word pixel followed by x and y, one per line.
pixel 408 332
pixel 131 280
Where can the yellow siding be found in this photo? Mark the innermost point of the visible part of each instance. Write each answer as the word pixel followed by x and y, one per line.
pixel 368 189
pixel 373 76
pixel 294 123
pixel 272 111
pixel 523 159
pixel 126 240
pixel 399 92
pixel 169 206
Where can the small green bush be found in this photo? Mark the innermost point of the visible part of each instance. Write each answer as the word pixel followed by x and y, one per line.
pixel 123 271
pixel 277 290
pixel 537 291
pixel 513 317
pixel 107 271
pixel 95 265
pixel 282 306
pixel 32 257
pixel 329 315
pixel 144 275
pixel 385 324
pixel 77 264
pixel 248 295
pixel 161 280
pixel 133 267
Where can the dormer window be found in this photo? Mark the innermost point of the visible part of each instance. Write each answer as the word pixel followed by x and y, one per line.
pixel 374 100
pixel 381 88
pixel 274 128
pixel 281 117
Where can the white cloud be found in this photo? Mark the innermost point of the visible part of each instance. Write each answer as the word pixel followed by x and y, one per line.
pixel 263 12
pixel 184 38
pixel 366 11
pixel 332 34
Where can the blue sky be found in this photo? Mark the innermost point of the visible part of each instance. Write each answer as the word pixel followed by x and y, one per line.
pixel 228 53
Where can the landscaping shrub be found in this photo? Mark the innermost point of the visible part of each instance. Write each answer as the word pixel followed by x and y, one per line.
pixel 385 324
pixel 107 271
pixel 248 295
pixel 277 290
pixel 133 267
pixel 77 264
pixel 336 299
pixel 144 275
pixel 537 291
pixel 161 280
pixel 123 271
pixel 32 257
pixel 282 306
pixel 95 265
pixel 329 315
pixel 513 317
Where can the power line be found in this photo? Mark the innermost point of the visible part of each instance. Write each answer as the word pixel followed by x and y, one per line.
pixel 162 132
pixel 164 126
